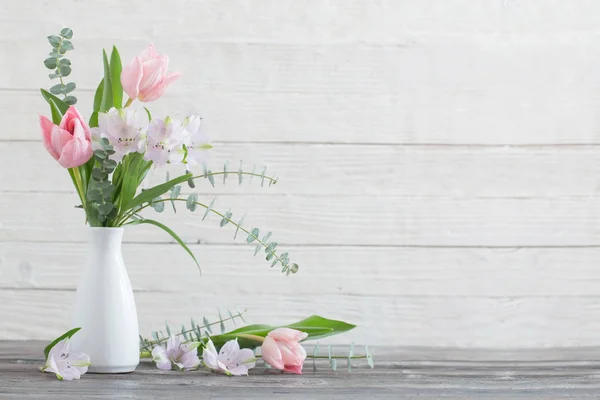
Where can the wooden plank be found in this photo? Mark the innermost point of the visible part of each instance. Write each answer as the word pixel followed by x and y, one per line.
pixel 446 321
pixel 357 94
pixel 312 21
pixel 328 220
pixel 358 271
pixel 310 169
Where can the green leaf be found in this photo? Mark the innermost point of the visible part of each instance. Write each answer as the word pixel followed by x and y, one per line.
pixel 105 208
pixel 57 89
pixel 64 61
pixel 62 106
pixel 190 203
pixel 67 33
pixel 170 232
pixel 107 96
pixel 69 87
pixel 155 191
pixel 98 96
pixel 237 228
pixel 175 194
pixel 226 219
pixel 253 235
pixel 115 77
pixel 159 206
pixel 65 335
pixel 94 120
pixel 64 70
pixel 50 63
pixel 67 45
pixel 56 114
pixel 209 208
pixel 211 179
pixel 54 40
pixel 71 100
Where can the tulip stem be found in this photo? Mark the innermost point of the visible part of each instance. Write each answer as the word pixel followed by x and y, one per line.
pixel 128 103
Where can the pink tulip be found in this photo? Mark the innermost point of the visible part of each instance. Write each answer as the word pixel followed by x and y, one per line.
pixel 282 350
pixel 70 142
pixel 145 78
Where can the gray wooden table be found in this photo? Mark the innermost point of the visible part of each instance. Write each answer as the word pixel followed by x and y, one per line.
pixel 418 373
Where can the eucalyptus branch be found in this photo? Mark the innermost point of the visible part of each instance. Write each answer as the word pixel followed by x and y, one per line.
pixel 208 174
pixel 195 328
pixel 226 218
pixel 61 65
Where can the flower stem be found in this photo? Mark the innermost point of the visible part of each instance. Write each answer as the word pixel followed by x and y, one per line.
pixel 128 103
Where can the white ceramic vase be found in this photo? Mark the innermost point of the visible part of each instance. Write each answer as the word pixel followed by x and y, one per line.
pixel 105 307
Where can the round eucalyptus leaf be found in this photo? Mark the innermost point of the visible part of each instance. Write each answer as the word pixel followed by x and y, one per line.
pixel 50 63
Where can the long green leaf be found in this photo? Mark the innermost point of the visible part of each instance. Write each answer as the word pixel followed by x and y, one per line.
pixel 107 96
pixel 62 106
pixel 115 77
pixel 98 95
pixel 58 339
pixel 317 327
pixel 170 232
pixel 154 192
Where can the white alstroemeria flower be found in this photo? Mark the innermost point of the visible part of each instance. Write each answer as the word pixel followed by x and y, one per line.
pixel 123 129
pixel 177 355
pixel 231 360
pixel 196 141
pixel 165 140
pixel 64 364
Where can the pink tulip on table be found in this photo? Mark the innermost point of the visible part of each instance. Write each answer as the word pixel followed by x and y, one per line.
pixel 282 350
pixel 70 142
pixel 146 78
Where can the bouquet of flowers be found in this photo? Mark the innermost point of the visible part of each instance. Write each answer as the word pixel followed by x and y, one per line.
pixel 108 157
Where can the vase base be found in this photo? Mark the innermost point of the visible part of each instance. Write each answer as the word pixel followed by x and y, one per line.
pixel 111 370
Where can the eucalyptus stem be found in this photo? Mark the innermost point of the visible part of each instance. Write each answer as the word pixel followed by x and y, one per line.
pixel 230 318
pixel 214 212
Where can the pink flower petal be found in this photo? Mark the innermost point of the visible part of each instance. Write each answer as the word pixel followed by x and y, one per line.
pixel 160 89
pixel 75 153
pixel 131 77
pixel 47 127
pixel 288 335
pixel 271 353
pixel 148 53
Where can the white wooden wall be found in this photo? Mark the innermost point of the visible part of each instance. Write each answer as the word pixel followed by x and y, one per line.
pixel 439 165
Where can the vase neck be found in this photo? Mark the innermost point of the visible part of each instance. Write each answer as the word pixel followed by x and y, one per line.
pixel 105 241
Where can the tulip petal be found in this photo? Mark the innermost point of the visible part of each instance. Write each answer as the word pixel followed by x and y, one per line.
pixel 148 53
pixel 160 89
pixel 75 153
pixel 271 353
pixel 296 369
pixel 288 335
pixel 47 127
pixel 292 355
pixel 151 77
pixel 131 77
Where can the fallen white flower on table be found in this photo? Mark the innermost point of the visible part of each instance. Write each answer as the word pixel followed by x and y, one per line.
pixel 64 364
pixel 231 360
pixel 177 355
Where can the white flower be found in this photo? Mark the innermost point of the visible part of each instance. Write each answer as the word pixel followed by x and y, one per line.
pixel 196 141
pixel 66 365
pixel 165 140
pixel 231 360
pixel 122 128
pixel 177 355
